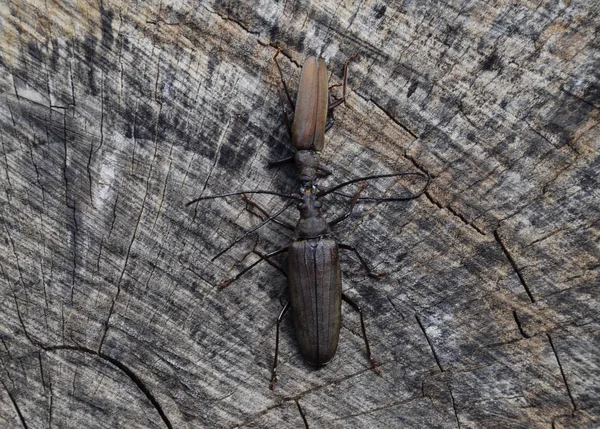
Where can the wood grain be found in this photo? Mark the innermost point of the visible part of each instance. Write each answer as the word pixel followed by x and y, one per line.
pixel 113 115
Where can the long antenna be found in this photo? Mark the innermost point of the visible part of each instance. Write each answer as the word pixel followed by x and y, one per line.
pixel 378 176
pixel 231 194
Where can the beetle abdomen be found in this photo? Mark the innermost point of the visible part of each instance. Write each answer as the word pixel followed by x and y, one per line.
pixel 316 295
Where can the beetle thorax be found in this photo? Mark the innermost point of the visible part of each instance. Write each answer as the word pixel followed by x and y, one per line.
pixel 311 223
pixel 307 162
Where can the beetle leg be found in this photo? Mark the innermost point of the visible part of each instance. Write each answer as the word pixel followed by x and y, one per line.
pixel 288 125
pixel 323 171
pixel 279 319
pixel 349 212
pixel 265 213
pixel 346 76
pixel 271 263
pixel 342 217
pixel 227 282
pixel 377 276
pixel 260 225
pixel 281 161
pixel 329 124
pixel 364 332
pixel 336 103
pixel 287 93
pixel 286 118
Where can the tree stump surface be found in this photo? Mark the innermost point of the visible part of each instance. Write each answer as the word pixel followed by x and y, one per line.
pixel 114 115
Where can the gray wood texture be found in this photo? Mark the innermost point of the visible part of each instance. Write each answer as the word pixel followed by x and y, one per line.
pixel 113 115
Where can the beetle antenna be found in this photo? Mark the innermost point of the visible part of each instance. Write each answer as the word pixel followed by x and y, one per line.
pixel 258 191
pixel 379 176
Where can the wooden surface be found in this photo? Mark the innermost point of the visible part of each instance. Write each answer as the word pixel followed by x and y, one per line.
pixel 114 115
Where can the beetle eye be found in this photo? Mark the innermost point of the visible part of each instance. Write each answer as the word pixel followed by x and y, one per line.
pixel 318 204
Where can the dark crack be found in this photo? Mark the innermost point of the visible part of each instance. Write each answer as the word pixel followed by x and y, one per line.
pixel 583 100
pixel 523 333
pixel 260 414
pixel 19 316
pixel 213 165
pixel 437 361
pixel 464 219
pixel 562 373
pixel 417 165
pixel 394 307
pixel 230 19
pixel 41 371
pixel 302 414
pixel 453 212
pixel 135 231
pixel 70 204
pixel 391 116
pixel 461 109
pixel 545 237
pixel 332 383
pixel 121 366
pixel 513 264
pixel 17 409
pixel 454 407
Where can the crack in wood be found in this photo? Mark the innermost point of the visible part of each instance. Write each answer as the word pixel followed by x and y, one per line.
pixel 125 369
pixel 437 361
pixel 583 100
pixel 562 373
pixel 135 230
pixel 464 220
pixel 394 307
pixel 10 185
pixel 513 264
pixel 523 333
pixel 389 115
pixel 260 414
pixel 19 316
pixel 332 383
pixel 383 407
pixel 14 250
pixel 164 190
pixel 453 212
pixel 70 205
pixel 230 19
pixel 15 405
pixel 213 165
pixel 545 237
pixel 302 414
pixel 39 355
pixel 454 407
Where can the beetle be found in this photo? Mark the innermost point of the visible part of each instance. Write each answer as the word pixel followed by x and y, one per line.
pixel 314 273
pixel 311 110
pixel 315 284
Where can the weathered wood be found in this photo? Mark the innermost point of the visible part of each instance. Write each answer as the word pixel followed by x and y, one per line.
pixel 113 115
